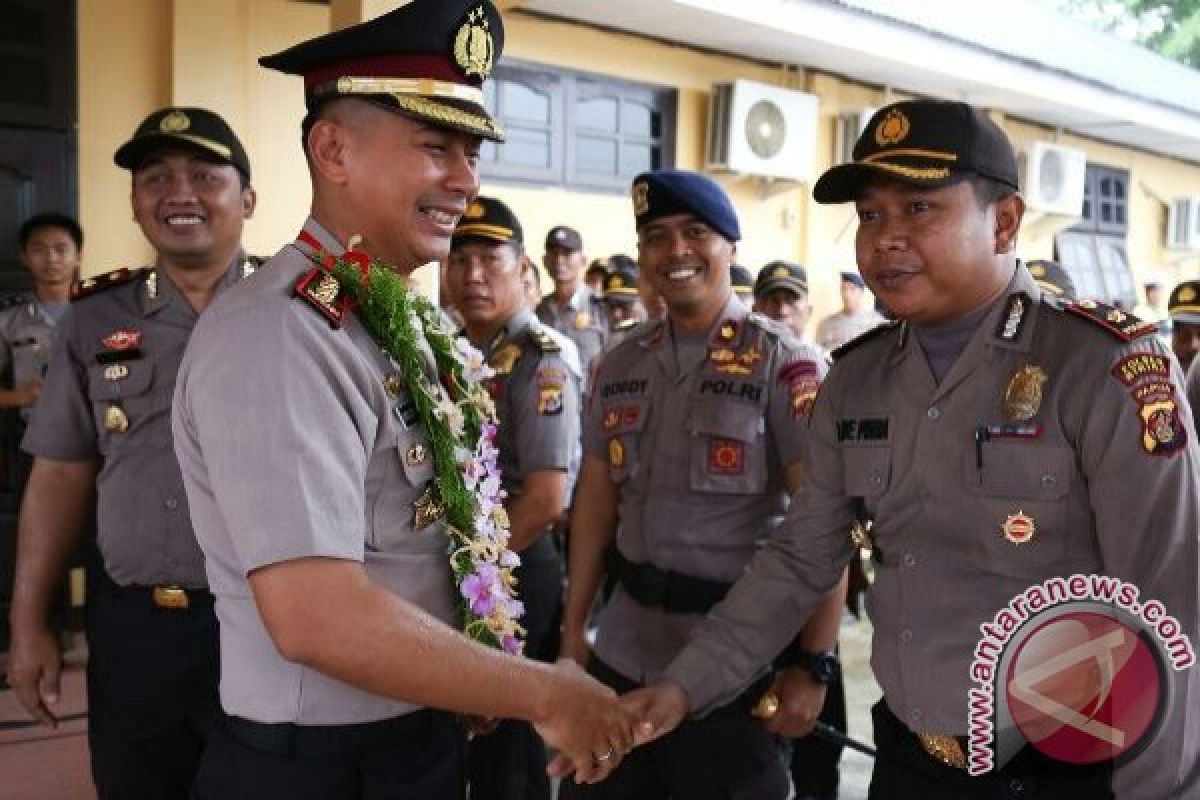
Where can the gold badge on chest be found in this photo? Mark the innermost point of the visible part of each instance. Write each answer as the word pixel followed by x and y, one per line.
pixel 1023 396
pixel 115 420
pixel 1019 527
pixel 428 508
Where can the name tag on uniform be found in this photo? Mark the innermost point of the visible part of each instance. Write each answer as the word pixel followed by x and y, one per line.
pixel 871 429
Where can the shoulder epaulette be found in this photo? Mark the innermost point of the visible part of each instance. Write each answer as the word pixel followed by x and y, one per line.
pixel 863 338
pixel 543 341
pixel 98 283
pixel 321 291
pixel 1122 324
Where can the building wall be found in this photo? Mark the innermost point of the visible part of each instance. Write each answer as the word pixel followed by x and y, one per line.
pixel 136 55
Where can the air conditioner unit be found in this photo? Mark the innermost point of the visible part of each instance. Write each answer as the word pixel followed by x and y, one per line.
pixel 1054 179
pixel 850 126
pixel 757 129
pixel 1183 223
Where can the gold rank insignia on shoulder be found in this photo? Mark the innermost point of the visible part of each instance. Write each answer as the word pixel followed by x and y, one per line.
pixel 1023 396
pixel 1122 324
pixel 321 290
pixel 115 420
pixel 1018 528
pixel 98 283
pixel 473 46
pixel 545 342
pixel 502 360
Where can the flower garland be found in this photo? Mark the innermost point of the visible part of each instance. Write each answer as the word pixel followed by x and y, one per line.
pixel 461 425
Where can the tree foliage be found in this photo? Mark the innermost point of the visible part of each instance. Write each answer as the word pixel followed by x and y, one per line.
pixel 1171 27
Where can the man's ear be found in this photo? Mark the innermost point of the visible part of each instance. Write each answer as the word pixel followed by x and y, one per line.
pixel 1009 213
pixel 328 141
pixel 249 202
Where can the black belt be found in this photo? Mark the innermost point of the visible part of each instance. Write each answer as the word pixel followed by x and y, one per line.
pixel 663 588
pixel 291 739
pixel 166 596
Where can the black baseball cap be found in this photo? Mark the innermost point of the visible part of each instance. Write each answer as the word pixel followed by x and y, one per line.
pixel 490 219
pixel 926 143
pixel 621 286
pixel 426 60
pixel 1184 303
pixel 196 128
pixel 741 278
pixel 564 238
pixel 781 275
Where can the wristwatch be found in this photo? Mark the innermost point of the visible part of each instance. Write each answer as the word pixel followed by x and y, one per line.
pixel 823 666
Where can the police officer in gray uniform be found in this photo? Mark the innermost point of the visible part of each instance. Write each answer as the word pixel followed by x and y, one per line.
pixel 309 456
pixel 692 439
pixel 536 389
pixel 572 309
pixel 103 426
pixel 1001 442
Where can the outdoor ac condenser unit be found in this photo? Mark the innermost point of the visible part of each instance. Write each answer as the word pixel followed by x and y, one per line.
pixel 1183 223
pixel 757 129
pixel 1054 179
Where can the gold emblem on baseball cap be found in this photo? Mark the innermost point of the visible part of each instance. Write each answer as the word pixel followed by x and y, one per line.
pixel 892 128
pixel 175 122
pixel 473 46
pixel 475 210
pixel 1023 397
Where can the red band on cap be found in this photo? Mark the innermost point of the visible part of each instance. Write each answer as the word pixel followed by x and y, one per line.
pixel 438 67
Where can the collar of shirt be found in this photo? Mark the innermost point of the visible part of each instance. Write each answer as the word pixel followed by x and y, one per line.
pixel 157 289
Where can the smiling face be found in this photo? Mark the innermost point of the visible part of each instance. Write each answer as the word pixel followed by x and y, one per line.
pixel 687 264
pixel 934 255
pixel 191 208
pixel 485 283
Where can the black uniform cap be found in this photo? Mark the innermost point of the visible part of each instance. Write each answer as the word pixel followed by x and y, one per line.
pixel 196 128
pixel 426 60
pixel 925 143
pixel 621 286
pixel 490 219
pixel 1184 303
pixel 741 278
pixel 781 275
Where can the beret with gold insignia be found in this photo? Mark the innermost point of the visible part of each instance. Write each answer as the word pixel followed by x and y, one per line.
pixel 194 128
pixel 925 143
pixel 426 60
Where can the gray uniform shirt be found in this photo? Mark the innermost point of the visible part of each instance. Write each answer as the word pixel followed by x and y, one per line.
pixel 1107 491
pixel 26 343
pixel 117 356
pixel 294 444
pixel 697 439
pixel 582 321
pixel 839 328
pixel 1193 386
pixel 536 389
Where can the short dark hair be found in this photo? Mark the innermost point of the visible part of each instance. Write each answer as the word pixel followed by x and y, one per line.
pixel 50 219
pixel 989 191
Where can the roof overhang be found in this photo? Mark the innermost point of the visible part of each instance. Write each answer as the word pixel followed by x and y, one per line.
pixel 881 50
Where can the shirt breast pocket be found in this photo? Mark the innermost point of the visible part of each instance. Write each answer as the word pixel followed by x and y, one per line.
pixel 1023 490
pixel 623 426
pixel 866 470
pixel 29 361
pixel 405 516
pixel 122 398
pixel 728 448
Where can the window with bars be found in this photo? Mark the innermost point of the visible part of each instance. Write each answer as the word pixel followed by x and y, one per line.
pixel 570 129
pixel 1093 250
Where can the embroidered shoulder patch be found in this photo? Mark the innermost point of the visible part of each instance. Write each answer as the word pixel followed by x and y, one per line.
pixel 1122 324
pixel 98 283
pixel 320 290
pixel 1148 377
pixel 863 338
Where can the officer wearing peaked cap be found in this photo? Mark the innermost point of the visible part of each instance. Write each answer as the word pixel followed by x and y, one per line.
pixel 102 427
pixel 692 440
pixel 998 439
pixel 742 282
pixel 781 293
pixel 536 389
pixel 342 665
pixel 1183 309
pixel 622 302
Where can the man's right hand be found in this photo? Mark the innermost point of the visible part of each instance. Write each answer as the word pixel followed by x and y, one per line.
pixel 587 724
pixel 34 666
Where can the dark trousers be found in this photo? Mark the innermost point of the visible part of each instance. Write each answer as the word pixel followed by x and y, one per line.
pixel 418 756
pixel 152 691
pixel 903 770
pixel 510 762
pixel 814 764
pixel 727 755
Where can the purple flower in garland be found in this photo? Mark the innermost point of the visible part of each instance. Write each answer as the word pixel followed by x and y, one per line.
pixel 511 644
pixel 482 588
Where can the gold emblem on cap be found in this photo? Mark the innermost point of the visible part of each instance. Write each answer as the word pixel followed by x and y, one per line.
pixel 641 198
pixel 115 420
pixel 1023 397
pixel 892 128
pixel 780 272
pixel 1018 528
pixel 1187 294
pixel 473 46
pixel 615 282
pixel 175 122
pixel 475 210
